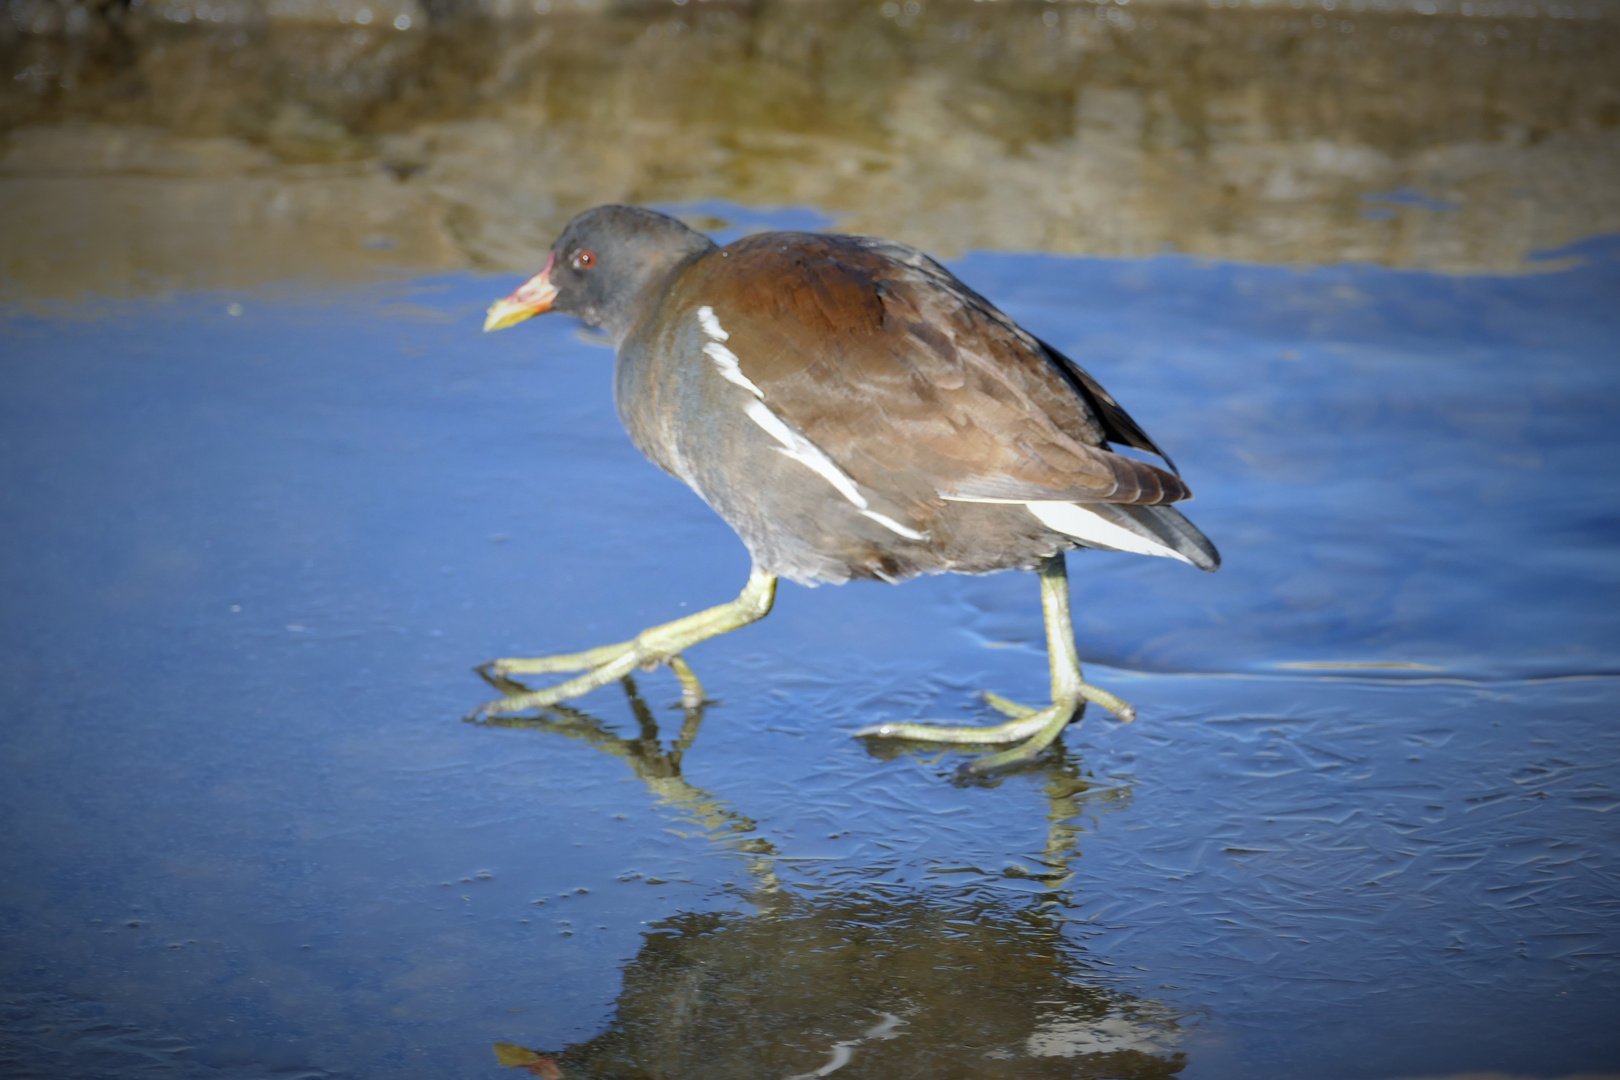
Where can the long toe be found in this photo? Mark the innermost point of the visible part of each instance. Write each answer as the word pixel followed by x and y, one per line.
pixel 1052 721
pixel 550 665
pixel 487 710
pixel 1006 707
pixel 1010 732
pixel 498 680
pixel 1122 709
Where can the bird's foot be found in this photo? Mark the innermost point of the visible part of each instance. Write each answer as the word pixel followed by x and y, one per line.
pixel 1033 730
pixel 603 665
pixel 1083 690
pixel 499 671
pixel 609 663
pixel 1025 722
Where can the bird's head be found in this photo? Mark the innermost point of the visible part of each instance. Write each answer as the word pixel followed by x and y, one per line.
pixel 607 265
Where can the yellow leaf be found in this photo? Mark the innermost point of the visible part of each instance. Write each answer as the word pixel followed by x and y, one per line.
pixel 514 1056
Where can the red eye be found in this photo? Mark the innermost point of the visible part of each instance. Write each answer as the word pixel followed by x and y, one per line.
pixel 584 260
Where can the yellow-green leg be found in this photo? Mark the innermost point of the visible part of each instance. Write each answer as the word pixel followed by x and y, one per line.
pixel 1032 729
pixel 609 663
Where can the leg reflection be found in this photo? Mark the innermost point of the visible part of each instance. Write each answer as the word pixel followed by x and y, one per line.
pixel 660 770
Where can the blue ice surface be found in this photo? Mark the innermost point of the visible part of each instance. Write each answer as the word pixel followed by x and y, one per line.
pixel 250 558
pixel 1399 467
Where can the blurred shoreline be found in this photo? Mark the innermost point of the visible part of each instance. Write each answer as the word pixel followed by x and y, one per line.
pixel 158 146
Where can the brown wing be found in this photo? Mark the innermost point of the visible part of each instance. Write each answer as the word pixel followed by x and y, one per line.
pixel 914 384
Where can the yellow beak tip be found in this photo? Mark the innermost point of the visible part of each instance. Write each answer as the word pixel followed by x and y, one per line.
pixel 534 298
pixel 503 314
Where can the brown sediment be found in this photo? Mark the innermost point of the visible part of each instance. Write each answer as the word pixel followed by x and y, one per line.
pixel 140 154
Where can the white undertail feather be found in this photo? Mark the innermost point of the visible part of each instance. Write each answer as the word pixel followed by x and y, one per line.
pixel 810 455
pixel 1074 519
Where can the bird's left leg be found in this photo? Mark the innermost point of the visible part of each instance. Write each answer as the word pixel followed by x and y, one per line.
pixel 1032 729
pixel 609 663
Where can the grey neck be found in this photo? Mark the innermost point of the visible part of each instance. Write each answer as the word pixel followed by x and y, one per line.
pixel 656 270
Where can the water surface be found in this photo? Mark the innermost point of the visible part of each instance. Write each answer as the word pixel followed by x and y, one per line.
pixel 258 538
pixel 269 495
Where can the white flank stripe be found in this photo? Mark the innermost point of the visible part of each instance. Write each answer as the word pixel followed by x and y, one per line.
pixel 804 451
pixel 726 361
pixel 894 526
pixel 1082 524
pixel 711 325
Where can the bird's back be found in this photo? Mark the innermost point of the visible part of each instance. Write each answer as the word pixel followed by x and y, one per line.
pixel 854 410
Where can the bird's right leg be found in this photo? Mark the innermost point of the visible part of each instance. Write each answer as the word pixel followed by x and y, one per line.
pixel 609 663
pixel 1032 729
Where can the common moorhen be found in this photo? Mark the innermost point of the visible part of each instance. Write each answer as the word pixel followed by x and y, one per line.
pixel 852 410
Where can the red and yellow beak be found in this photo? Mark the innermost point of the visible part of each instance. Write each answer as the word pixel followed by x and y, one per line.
pixel 533 298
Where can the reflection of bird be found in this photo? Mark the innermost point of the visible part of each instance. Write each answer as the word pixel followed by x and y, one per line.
pixel 942 983
pixel 852 410
pixel 878 974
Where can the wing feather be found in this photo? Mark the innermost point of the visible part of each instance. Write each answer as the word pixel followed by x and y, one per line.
pixel 918 387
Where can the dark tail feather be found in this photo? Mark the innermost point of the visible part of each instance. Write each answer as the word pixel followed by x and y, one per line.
pixel 1166 525
pixel 1118 427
